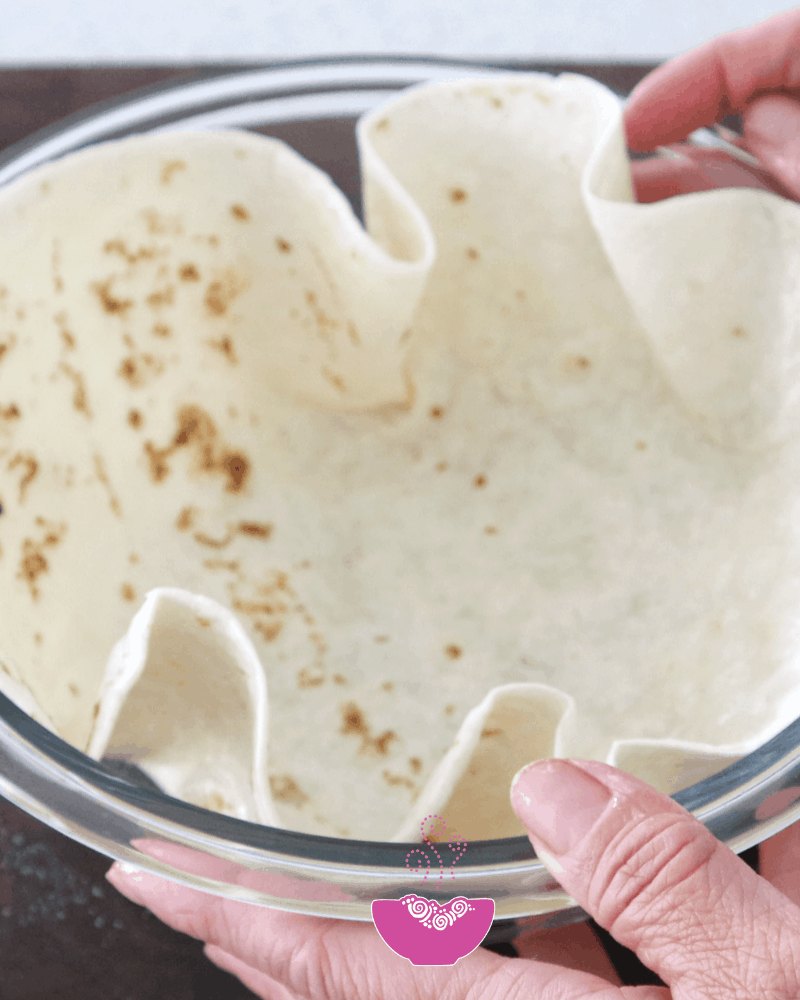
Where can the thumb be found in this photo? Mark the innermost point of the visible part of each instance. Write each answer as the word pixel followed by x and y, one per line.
pixel 772 133
pixel 660 882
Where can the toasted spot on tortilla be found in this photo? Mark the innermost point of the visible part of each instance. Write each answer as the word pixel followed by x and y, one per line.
pixel 335 380
pixel 285 789
pixel 30 467
pixel 73 690
pixel 185 519
pixel 739 331
pixel 397 779
pixel 188 272
pixel 161 330
pixel 577 362
pixel 542 98
pixel 112 305
pixel 237 469
pixel 338 679
pixel 436 412
pixel 382 125
pixel 381 638
pixel 487 733
pixel 453 651
pixel 131 256
pixel 96 710
pixel 134 418
pixel 387 686
pixel 641 445
pixel 171 167
pixel 441 466
pixel 283 245
pixel 160 225
pixel 457 195
pixel 225 347
pixel 240 212
pixel 222 292
pixel 254 529
pixel 449 709
pixel 37 638
pixel 353 720
pixel 213 543
pixel 33 562
pixel 307 679
pixel 133 558
pixel 415 764
pixel 490 530
pixel 137 369
pixel 102 476
pixel 80 399
pixel 157 460
pixel 203 622
pixel 479 481
pixel 10 412
pixel 472 253
pixel 161 297
pixel 128 593
pixel 520 295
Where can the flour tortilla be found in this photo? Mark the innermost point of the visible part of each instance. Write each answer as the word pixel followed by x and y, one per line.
pixel 512 474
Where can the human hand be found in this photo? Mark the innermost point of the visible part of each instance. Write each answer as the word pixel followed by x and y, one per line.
pixel 643 867
pixel 754 72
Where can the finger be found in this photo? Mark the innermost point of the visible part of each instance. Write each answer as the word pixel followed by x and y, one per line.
pixel 695 169
pixel 322 959
pixel 718 78
pixel 258 982
pixel 772 134
pixel 574 947
pixel 660 882
pixel 779 862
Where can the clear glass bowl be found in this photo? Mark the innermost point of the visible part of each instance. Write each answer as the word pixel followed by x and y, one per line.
pixel 313 106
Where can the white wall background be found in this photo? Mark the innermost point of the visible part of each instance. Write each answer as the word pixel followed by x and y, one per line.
pixel 40 32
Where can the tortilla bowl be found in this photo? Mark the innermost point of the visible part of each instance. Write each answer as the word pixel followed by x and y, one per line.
pixel 57 783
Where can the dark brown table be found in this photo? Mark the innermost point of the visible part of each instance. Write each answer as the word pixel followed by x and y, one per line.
pixel 64 932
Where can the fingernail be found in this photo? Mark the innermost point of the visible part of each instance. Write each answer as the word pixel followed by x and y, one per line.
pixel 124 872
pixel 558 802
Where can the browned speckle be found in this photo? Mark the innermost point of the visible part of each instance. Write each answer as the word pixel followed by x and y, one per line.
pixel 449 709
pixel 441 466
pixel 30 467
pixel 436 412
pixel 479 481
pixel 240 212
pixel 33 562
pixel 213 543
pixel 133 559
pixel 381 638
pixel 382 125
pixel 102 476
pixel 138 369
pixel 185 519
pixel 519 295
pixel 283 245
pixel 387 686
pixel 338 679
pixel 486 733
pixel 285 789
pixel 397 779
pixel 158 225
pixel 415 764
pixel 739 331
pixel 472 253
pixel 68 338
pixel 221 293
pixel 352 333
pixel 188 272
pixel 80 399
pixel 73 690
pixel 112 305
pixel 254 529
pixel 169 168
pixel 229 565
pixel 95 710
pixel 453 652
pixel 203 622
pixel 490 530
pixel 161 330
pixel 270 631
pixel 161 297
pixel 37 638
pixel 457 195
pixel 496 102
pixel 10 412
pixel 134 418
pixel 307 679
pixel 353 721
pixel 335 380
pixel 131 256
pixel 225 347
pixel 641 445
pixel 128 593
pixel 577 363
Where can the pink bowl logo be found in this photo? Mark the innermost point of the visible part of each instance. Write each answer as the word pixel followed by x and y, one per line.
pixel 427 932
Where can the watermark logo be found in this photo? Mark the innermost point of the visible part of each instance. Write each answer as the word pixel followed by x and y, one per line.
pixel 425 931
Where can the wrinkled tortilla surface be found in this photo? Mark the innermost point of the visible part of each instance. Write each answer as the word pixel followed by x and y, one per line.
pixel 333 527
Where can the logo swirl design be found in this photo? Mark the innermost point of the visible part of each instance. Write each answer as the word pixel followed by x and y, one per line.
pixel 430 914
